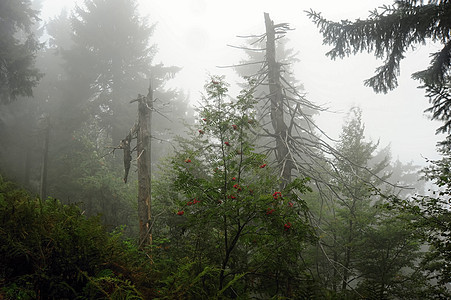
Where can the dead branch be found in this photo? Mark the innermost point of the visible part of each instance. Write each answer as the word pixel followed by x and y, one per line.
pixel 246 48
pixel 240 65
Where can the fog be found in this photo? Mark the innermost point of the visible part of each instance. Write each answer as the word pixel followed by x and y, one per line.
pixel 195 35
pixel 211 150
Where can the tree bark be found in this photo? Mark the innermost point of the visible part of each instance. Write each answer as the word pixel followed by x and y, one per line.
pixel 26 177
pixel 283 157
pixel 144 165
pixel 347 262
pixel 44 165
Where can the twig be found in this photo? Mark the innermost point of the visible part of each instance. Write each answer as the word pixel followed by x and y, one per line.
pixel 241 65
pixel 245 48
pixel 140 155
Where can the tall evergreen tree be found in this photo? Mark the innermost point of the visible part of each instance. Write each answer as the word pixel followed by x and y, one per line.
pixel 432 220
pixel 368 251
pixel 354 186
pixel 18 48
pixel 112 55
pixel 20 125
pixel 88 103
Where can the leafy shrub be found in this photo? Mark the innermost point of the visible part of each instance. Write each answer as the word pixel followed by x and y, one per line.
pixel 52 251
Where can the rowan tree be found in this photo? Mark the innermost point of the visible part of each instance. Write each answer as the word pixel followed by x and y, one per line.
pixel 228 211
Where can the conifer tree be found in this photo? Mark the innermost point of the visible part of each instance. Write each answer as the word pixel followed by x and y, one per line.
pixel 77 93
pixel 432 220
pixel 18 48
pixel 389 33
pixel 368 250
pixel 112 56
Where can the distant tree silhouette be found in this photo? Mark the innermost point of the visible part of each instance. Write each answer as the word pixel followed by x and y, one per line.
pixel 18 48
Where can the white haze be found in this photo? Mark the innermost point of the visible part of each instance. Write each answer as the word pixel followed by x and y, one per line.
pixel 194 34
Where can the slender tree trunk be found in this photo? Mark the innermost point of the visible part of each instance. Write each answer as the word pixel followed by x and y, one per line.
pixel 44 165
pixel 335 275
pixel 347 261
pixel 144 165
pixel 116 106
pixel 284 160
pixel 230 246
pixel 335 257
pixel 26 177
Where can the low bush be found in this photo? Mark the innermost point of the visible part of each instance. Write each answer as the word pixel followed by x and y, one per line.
pixel 49 250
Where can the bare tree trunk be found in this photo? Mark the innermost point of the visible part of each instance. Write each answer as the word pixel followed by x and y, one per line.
pixel 144 165
pixel 44 165
pixel 347 262
pixel 335 256
pixel 27 167
pixel 283 157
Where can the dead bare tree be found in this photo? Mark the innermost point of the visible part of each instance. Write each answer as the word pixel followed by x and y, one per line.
pixel 142 132
pixel 289 134
pixel 281 130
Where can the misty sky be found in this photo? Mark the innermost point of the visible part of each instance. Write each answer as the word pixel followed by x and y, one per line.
pixel 194 34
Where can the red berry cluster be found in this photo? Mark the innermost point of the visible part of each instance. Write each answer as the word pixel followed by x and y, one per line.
pixel 277 195
pixel 287 226
pixel 269 211
pixel 237 187
pixel 189 203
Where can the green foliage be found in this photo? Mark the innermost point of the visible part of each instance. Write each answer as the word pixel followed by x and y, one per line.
pixel 440 98
pixel 18 48
pixel 228 215
pixel 111 56
pixel 388 257
pixel 84 177
pixel 106 285
pixel 222 228
pixel 187 282
pixel 431 219
pixel 52 251
pixel 365 250
pixel 388 34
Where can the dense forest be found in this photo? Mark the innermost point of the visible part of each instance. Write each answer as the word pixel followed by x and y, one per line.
pixel 114 186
